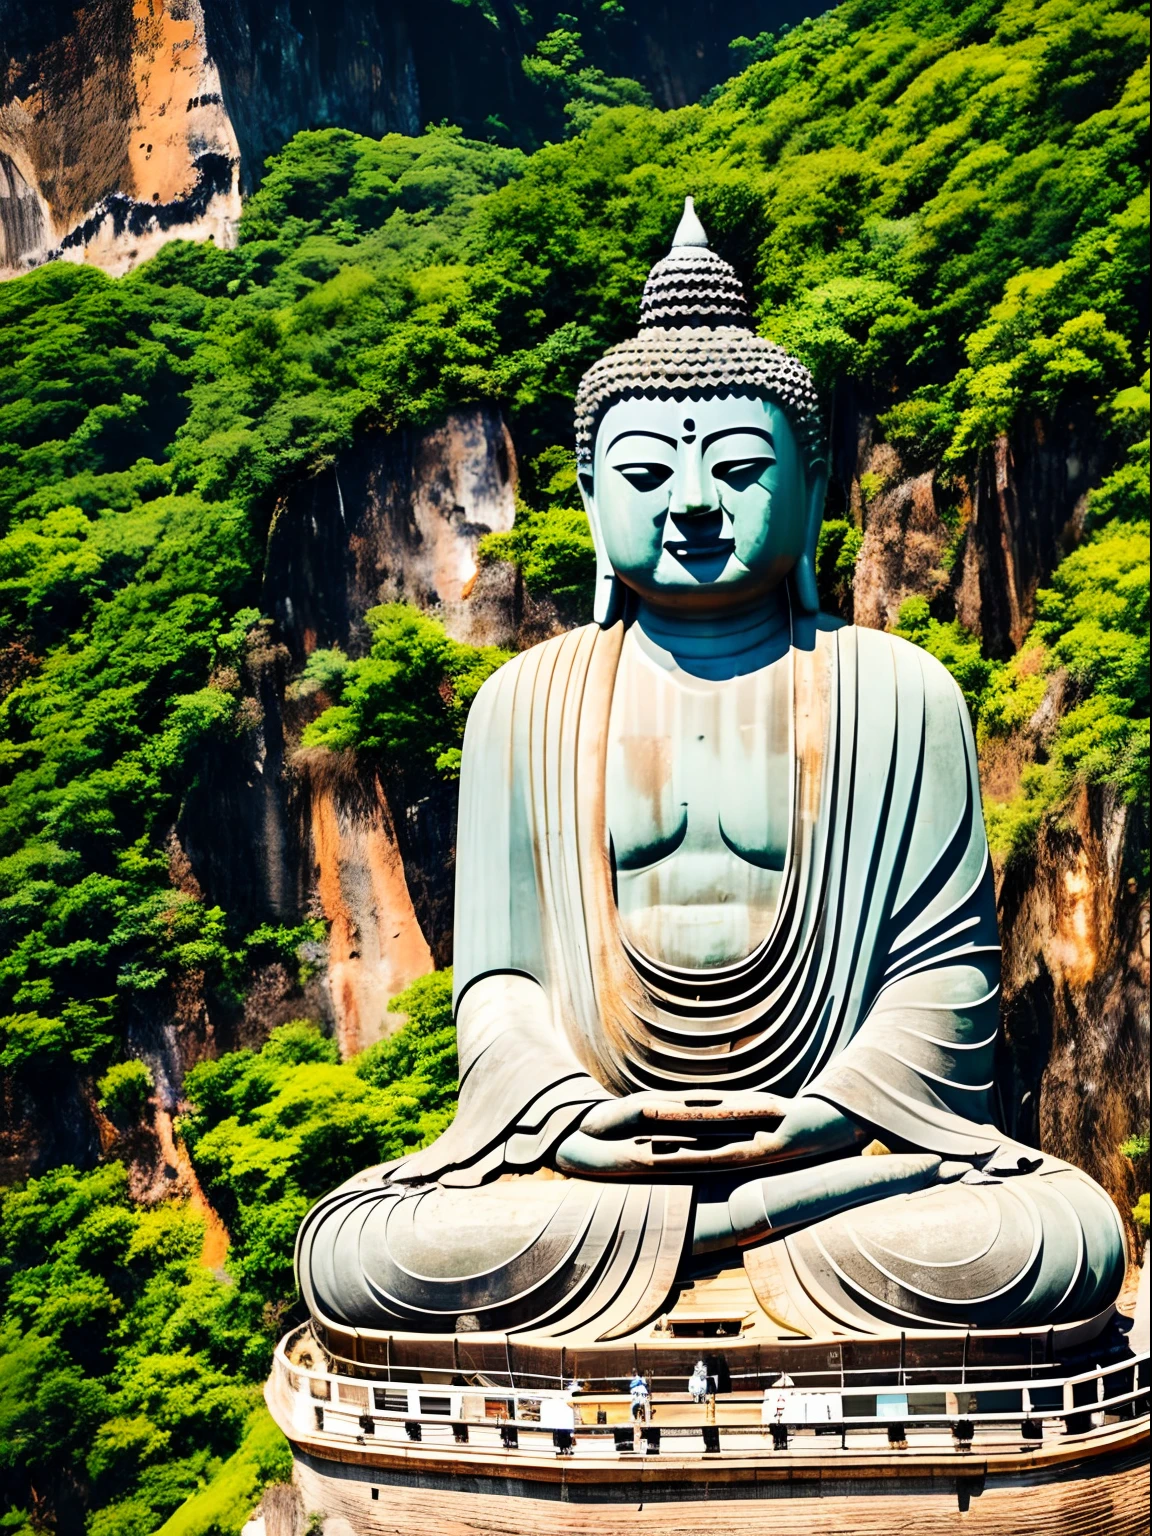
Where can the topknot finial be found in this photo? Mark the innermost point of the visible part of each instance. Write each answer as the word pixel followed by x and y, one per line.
pixel 692 285
pixel 689 231
pixel 696 338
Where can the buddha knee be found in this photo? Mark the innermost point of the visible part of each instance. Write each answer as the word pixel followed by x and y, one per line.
pixel 500 1256
pixel 1039 1248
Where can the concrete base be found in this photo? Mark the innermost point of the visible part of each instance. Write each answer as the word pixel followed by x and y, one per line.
pixel 1096 1485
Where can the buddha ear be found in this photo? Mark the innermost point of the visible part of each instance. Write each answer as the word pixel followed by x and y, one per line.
pixel 804 571
pixel 608 595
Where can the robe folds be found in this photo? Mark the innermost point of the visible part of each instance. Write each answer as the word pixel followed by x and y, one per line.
pixel 876 990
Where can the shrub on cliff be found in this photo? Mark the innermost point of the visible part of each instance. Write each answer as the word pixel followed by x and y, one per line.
pixel 124 1090
pixel 425 1045
pixel 407 701
pixel 271 1131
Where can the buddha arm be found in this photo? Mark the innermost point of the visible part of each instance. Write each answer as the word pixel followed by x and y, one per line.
pixel 919 1065
pixel 521 1089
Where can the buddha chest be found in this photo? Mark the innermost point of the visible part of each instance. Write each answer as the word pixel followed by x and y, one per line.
pixel 698 801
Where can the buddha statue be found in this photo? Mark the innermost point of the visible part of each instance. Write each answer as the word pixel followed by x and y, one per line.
pixel 724 923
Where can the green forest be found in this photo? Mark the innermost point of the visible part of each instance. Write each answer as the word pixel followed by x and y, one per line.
pixel 942 207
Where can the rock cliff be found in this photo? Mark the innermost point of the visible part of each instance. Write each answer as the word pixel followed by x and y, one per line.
pixel 397 519
pixel 1073 1073
pixel 977 548
pixel 113 134
pixel 124 123
pixel 275 834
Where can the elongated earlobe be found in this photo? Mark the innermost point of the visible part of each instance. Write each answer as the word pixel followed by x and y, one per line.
pixel 804 571
pixel 608 597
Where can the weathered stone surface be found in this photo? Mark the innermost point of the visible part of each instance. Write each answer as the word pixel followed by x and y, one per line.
pixel 397 519
pixel 113 137
pixel 376 946
pixel 1073 1069
pixel 904 542
pixel 1028 500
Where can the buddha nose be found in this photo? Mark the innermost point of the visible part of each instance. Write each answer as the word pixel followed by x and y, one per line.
pixel 693 492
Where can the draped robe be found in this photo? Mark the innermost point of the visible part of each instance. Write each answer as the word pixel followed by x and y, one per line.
pixel 876 990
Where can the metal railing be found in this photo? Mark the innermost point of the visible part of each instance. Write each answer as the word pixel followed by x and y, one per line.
pixel 898 1373
pixel 484 1414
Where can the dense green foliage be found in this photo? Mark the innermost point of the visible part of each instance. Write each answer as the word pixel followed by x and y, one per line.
pixel 127 1370
pixel 225 1502
pixel 270 1132
pixel 124 1090
pixel 406 701
pixel 942 209
pixel 558 64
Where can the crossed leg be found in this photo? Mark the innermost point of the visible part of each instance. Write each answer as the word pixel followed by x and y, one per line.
pixel 987 1250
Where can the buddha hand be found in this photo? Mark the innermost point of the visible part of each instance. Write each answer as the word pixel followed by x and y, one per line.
pixel 701 1131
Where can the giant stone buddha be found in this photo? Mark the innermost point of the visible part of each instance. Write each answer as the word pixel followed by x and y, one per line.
pixel 724 923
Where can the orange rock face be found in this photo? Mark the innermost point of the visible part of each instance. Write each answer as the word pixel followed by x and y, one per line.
pixel 113 138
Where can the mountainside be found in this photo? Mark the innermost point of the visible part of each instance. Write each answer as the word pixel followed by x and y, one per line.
pixel 123 122
pixel 270 514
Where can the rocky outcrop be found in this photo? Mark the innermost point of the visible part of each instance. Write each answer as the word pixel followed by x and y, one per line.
pixel 47 1121
pixel 396 519
pixel 240 837
pixel 1073 1069
pixel 905 541
pixel 276 835
pixel 376 946
pixel 1026 509
pixel 285 66
pixel 977 546
pixel 113 137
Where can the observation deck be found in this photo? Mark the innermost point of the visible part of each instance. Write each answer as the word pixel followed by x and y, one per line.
pixel 861 1435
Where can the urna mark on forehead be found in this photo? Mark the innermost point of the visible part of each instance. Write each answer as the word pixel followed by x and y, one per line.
pixel 696 344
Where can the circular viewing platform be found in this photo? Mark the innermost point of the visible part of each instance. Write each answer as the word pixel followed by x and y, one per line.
pixel 877 1435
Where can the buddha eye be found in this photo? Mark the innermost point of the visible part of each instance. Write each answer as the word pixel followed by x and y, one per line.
pixel 645 477
pixel 741 473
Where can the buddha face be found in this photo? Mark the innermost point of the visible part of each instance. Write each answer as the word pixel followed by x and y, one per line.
pixel 700 503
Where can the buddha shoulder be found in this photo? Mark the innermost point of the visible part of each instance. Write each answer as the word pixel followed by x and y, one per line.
pixel 560 659
pixel 878 652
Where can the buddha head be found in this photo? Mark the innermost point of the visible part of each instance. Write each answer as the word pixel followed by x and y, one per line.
pixel 699 449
